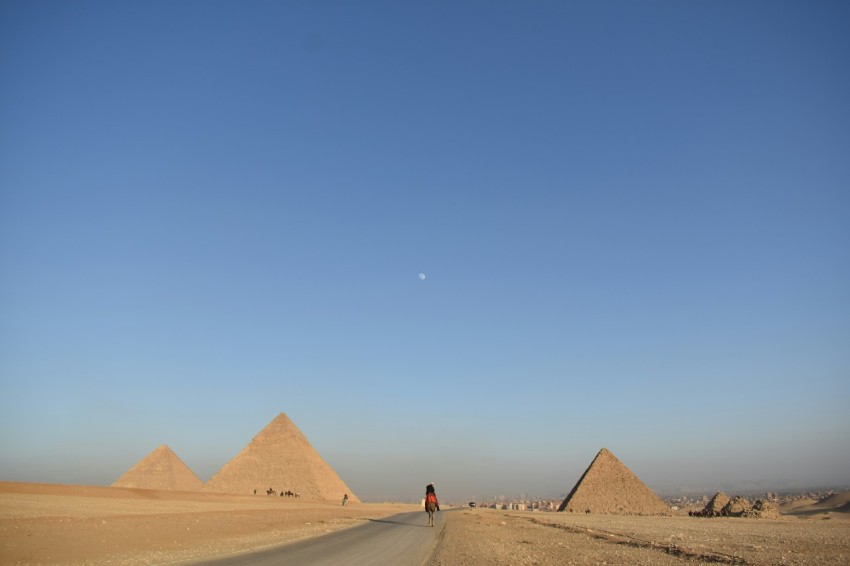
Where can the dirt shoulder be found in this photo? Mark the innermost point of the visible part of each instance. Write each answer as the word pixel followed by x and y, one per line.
pixel 485 536
pixel 46 523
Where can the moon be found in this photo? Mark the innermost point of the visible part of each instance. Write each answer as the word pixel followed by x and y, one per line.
pixel 422 277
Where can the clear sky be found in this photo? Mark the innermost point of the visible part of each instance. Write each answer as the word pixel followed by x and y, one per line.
pixel 633 219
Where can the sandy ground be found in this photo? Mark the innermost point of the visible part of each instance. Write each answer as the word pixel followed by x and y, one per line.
pixel 486 536
pixel 55 524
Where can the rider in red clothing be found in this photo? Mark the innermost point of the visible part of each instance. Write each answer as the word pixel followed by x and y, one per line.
pixel 430 495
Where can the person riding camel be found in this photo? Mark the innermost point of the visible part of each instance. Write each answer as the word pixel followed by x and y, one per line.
pixel 431 496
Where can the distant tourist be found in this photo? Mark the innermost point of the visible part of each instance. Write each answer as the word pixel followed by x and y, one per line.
pixel 344 499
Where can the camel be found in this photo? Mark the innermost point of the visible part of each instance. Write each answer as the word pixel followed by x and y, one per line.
pixel 431 504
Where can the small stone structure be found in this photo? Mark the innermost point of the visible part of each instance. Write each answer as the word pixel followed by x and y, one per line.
pixel 722 506
pixel 736 507
pixel 762 509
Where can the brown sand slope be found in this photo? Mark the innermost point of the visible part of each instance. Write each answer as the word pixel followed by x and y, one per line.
pixel 161 469
pixel 280 457
pixel 796 504
pixel 835 500
pixel 836 503
pixel 609 487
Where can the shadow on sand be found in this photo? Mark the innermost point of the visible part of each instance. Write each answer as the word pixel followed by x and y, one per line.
pixel 814 511
pixel 407 524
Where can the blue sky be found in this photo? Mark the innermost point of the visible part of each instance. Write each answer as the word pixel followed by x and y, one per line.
pixel 633 218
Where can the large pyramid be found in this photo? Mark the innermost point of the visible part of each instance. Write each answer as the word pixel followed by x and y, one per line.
pixel 280 458
pixel 161 469
pixel 609 487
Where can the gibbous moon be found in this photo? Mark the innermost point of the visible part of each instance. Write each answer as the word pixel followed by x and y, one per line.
pixel 422 277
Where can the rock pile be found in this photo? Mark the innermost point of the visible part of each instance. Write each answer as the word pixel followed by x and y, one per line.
pixel 762 509
pixel 722 506
pixel 736 507
pixel 714 507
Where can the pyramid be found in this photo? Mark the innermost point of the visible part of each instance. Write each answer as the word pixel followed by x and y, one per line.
pixel 161 469
pixel 716 505
pixel 281 458
pixel 609 487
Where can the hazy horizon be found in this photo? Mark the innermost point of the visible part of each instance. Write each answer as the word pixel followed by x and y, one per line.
pixel 462 243
pixel 399 477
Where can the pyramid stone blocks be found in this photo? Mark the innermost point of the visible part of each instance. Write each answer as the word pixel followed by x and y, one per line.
pixel 161 469
pixel 609 487
pixel 281 458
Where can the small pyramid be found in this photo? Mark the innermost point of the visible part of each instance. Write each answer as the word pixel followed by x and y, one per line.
pixel 716 505
pixel 736 507
pixel 609 487
pixel 161 469
pixel 280 458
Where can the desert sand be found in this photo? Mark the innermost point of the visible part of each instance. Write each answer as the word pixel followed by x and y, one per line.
pixel 66 524
pixel 58 524
pixel 815 534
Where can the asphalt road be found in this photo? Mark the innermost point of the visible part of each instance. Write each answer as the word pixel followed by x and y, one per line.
pixel 400 540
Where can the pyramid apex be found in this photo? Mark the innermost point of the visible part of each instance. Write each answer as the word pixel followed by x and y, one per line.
pixel 603 454
pixel 281 421
pixel 164 451
pixel 161 469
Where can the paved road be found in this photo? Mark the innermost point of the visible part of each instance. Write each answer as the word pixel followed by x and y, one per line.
pixel 400 540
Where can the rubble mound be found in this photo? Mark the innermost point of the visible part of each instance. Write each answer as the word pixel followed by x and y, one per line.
pixel 762 509
pixel 722 506
pixel 715 505
pixel 736 507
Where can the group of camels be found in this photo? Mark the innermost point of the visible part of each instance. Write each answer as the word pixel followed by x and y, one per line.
pixel 287 493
